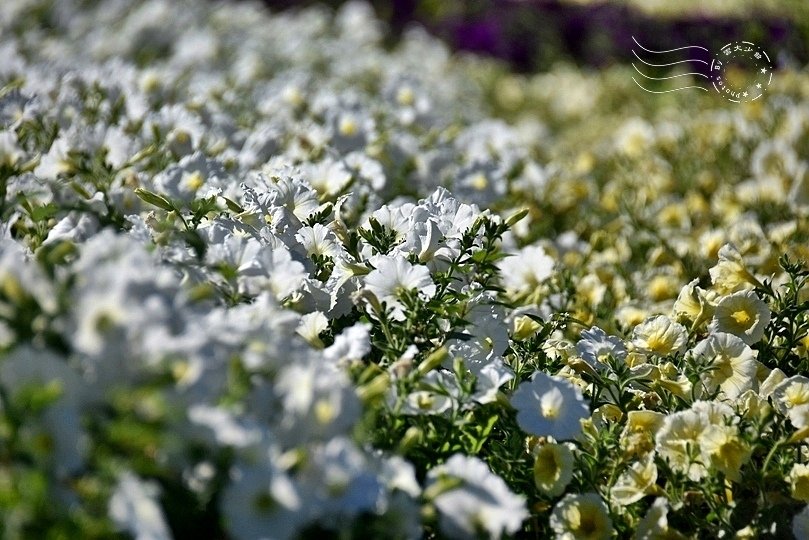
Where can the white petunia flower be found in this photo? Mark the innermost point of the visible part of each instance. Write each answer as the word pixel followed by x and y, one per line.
pixel 733 364
pixel 261 500
pixel 634 483
pixel 525 271
pixel 553 468
pixel 351 344
pixel 660 335
pixel 481 504
pixel 596 345
pixel 677 440
pixel 791 397
pixel 742 314
pixel 319 241
pixel 394 275
pixel 581 517
pixel 549 406
pixel 655 524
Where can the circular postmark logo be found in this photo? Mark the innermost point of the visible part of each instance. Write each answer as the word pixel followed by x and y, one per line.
pixel 741 71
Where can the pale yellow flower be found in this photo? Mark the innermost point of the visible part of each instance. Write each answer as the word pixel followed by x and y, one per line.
pixel 660 335
pixel 688 304
pixel 662 287
pixel 733 362
pixel 636 482
pixel 723 448
pixel 799 481
pixel 655 524
pixel 553 468
pixel 678 440
pixel 581 517
pixel 791 397
pixel 742 314
pixel 730 273
pixel 639 431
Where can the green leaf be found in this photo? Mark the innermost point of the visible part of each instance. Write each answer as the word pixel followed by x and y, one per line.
pixel 43 213
pixel 233 206
pixel 155 199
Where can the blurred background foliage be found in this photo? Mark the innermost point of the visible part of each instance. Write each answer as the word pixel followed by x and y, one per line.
pixel 533 35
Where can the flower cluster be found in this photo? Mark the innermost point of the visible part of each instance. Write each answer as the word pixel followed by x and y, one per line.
pixel 262 278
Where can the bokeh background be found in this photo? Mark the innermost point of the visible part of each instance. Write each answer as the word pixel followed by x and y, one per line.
pixel 533 35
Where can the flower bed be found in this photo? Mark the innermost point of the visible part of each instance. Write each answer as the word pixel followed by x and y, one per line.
pixel 261 278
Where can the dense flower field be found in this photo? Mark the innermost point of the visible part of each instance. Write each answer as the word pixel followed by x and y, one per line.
pixel 262 278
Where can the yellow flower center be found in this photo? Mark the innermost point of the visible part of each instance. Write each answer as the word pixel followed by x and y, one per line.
pixel 194 181
pixel 741 317
pixel 546 466
pixel 405 96
pixel 796 394
pixel 324 412
pixel 348 127
pixel 479 182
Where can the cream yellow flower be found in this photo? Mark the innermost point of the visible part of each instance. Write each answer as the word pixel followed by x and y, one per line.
pixel 660 335
pixel 799 481
pixel 662 287
pixel 742 314
pixel 730 273
pixel 688 304
pixel 553 468
pixel 581 517
pixel 722 447
pixel 791 397
pixel 639 431
pixel 635 482
pixel 678 440
pixel 655 524
pixel 733 362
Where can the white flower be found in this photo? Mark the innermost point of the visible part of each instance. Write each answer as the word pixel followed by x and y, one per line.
pixel 319 240
pixel 549 406
pixel 733 364
pixel 394 275
pixel 730 274
pixel 553 468
pixel 480 504
pixel 655 524
pixel 226 428
pixel 526 270
pixel 310 327
pixel 660 335
pixel 318 401
pixel 722 448
pixel 791 397
pixel 742 314
pixel 134 507
pixel 10 152
pixel 262 501
pixel 634 483
pixel 60 423
pixel 351 344
pixel 677 440
pixel 581 517
pixel 490 378
pixel 596 345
